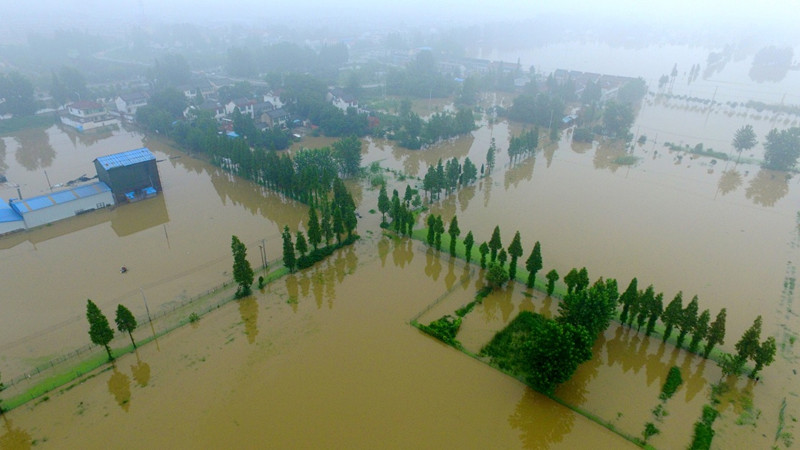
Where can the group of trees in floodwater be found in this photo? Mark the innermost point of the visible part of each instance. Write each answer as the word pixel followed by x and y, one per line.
pixel 337 216
pixel 553 348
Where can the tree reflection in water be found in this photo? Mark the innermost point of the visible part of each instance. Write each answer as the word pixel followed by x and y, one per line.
pixel 729 181
pixel 119 385
pixel 767 187
pixel 35 151
pixel 14 438
pixel 541 421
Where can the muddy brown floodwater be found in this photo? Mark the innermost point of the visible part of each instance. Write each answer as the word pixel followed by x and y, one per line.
pixel 326 357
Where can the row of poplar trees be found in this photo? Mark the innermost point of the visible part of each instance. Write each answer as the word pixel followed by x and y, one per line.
pixel 337 217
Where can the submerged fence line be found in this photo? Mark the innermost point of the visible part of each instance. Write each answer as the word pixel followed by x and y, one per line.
pixel 167 311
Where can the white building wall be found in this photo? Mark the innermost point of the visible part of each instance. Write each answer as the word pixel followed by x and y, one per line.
pixel 10 227
pixel 66 210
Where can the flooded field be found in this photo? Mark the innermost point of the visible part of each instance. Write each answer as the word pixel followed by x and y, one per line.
pixel 326 356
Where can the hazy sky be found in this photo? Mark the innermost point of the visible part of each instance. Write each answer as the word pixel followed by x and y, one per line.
pixel 345 11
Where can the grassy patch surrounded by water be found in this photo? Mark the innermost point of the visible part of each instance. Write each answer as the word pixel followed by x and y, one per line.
pixel 625 160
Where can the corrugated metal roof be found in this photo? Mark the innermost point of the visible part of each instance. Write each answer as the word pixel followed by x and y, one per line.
pixel 126 158
pixel 56 198
pixel 7 214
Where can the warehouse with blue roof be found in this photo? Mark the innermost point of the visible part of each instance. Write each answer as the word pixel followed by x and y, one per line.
pixel 10 220
pixel 48 208
pixel 124 177
pixel 131 175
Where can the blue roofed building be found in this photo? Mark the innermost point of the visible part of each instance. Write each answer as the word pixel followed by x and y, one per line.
pixel 131 175
pixel 58 205
pixel 10 220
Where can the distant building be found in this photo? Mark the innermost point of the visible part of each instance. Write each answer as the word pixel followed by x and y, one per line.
pixel 276 117
pixel 129 103
pixel 131 175
pixel 245 107
pixel 87 115
pixel 341 99
pixel 55 206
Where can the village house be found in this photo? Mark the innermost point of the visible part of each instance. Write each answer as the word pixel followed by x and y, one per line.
pixel 87 115
pixel 341 99
pixel 245 107
pixel 129 103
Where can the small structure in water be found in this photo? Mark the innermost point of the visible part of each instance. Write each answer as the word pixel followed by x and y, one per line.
pixel 131 175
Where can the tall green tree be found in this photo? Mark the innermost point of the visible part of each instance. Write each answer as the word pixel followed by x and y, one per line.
pixel 590 308
pixel 782 149
pixel 672 314
pixel 453 231
pixel 17 91
pixel 300 244
pixel 502 256
pixel 617 119
pixel 347 152
pixel 688 319
pixel 656 309
pixel 552 277
pixel 314 230
pixel 431 236
pixel 571 280
pixel 748 345
pixel 242 272
pixel 764 355
pixel 325 224
pixel 289 258
pixel 408 195
pixel 556 350
pixel 126 323
pixel 439 231
pixel 582 282
pixel 646 300
pixel 627 298
pixel 514 251
pixel 484 250
pixel 469 241
pixel 534 264
pixel 744 139
pixel 495 244
pixel 99 331
pixel 716 332
pixel 490 157
pixel 338 223
pixel 700 330
pixel 469 173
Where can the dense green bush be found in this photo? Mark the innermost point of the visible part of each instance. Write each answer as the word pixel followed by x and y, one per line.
pixel 444 329
pixel 674 380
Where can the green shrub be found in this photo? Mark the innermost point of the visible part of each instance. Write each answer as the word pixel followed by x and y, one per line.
pixel 649 431
pixel 445 329
pixel 674 380
pixel 625 160
pixel 703 434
